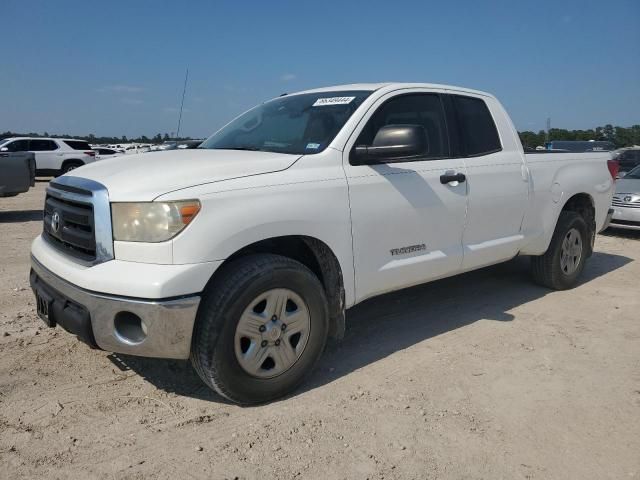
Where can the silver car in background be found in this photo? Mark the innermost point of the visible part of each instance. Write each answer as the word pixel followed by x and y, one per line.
pixel 626 201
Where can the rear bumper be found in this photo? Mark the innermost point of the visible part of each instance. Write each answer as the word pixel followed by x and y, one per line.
pixel 145 327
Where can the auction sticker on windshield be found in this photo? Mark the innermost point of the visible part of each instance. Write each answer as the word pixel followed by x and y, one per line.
pixel 323 102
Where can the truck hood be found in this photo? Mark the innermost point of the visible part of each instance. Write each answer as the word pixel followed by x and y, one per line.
pixel 146 176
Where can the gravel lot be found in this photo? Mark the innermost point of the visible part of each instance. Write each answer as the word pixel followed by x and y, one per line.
pixel 479 376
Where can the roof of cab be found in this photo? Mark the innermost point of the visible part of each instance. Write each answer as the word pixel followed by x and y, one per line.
pixel 390 86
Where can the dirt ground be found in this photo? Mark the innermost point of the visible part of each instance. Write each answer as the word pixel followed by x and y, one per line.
pixel 480 376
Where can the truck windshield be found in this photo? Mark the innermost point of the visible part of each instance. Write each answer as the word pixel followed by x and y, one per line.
pixel 297 124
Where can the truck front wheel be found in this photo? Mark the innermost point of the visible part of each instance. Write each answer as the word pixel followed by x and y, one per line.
pixel 561 265
pixel 261 327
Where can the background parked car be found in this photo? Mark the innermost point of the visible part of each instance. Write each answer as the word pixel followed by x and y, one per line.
pixel 53 156
pixel 189 144
pixel 17 173
pixel 580 145
pixel 626 201
pixel 628 158
pixel 103 153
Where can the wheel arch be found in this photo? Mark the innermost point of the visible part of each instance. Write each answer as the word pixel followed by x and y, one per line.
pixel 71 160
pixel 315 255
pixel 584 205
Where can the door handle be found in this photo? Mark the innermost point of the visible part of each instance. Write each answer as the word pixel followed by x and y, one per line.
pixel 452 177
pixel 4 154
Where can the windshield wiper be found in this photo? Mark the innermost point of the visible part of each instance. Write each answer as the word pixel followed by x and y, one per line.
pixel 246 148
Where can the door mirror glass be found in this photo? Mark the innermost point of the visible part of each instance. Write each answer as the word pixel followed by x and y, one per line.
pixel 393 142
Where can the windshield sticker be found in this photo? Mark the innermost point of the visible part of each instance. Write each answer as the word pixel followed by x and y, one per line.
pixel 324 102
pixel 313 146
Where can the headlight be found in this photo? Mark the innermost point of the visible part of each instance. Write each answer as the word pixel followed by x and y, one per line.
pixel 151 221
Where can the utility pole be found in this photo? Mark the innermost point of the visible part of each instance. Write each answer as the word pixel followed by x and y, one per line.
pixel 547 136
pixel 184 90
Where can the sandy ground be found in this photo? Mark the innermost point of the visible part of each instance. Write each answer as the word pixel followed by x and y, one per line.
pixel 479 376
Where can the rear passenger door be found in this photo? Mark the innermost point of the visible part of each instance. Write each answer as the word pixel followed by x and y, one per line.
pixel 497 180
pixel 47 157
pixel 406 223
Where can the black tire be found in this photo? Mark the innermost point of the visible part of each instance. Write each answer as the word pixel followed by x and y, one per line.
pixel 70 165
pixel 225 299
pixel 546 268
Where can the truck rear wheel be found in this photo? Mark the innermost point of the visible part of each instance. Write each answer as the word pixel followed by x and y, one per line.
pixel 561 265
pixel 261 327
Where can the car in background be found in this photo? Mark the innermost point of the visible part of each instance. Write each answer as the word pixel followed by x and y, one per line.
pixel 168 145
pixel 580 146
pixel 17 173
pixel 628 158
pixel 53 156
pixel 626 202
pixel 103 153
pixel 189 144
pixel 131 149
pixel 176 145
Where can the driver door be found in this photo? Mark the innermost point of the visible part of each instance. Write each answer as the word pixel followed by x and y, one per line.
pixel 407 221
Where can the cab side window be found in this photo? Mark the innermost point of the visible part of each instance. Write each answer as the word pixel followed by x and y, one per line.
pixel 476 125
pixel 423 109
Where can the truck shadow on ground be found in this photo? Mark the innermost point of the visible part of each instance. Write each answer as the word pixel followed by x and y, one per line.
pixel 390 323
pixel 622 233
pixel 20 216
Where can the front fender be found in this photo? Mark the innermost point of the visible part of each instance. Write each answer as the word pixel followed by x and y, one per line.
pixel 232 220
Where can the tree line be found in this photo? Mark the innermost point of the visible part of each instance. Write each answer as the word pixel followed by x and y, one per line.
pixel 619 136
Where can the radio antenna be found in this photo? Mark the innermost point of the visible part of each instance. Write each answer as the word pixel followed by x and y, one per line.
pixel 184 90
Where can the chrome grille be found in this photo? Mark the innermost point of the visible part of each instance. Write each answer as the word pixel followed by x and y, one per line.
pixel 626 200
pixel 77 219
pixel 68 225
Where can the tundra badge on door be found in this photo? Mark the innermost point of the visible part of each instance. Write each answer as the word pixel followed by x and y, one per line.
pixel 409 249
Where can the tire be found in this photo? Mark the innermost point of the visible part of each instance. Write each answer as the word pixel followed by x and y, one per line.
pixel 72 165
pixel 549 269
pixel 218 345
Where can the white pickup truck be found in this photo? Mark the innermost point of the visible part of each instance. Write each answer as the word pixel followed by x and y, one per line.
pixel 244 254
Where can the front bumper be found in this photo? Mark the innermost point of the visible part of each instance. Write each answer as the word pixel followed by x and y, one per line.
pixel 145 327
pixel 625 217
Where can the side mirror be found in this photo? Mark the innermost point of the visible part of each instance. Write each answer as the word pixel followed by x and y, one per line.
pixel 393 142
pixel 4 149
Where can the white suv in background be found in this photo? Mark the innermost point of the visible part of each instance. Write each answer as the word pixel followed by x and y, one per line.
pixel 54 156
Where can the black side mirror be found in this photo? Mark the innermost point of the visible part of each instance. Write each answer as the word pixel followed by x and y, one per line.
pixel 393 142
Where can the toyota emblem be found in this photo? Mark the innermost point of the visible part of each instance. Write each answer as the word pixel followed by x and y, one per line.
pixel 627 199
pixel 55 222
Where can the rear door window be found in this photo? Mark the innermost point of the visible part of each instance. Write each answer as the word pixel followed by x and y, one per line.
pixel 42 145
pixel 78 144
pixel 477 128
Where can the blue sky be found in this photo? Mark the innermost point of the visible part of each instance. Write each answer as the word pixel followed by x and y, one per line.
pixel 117 67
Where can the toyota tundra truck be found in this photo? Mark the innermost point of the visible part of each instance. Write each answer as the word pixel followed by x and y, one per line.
pixel 244 254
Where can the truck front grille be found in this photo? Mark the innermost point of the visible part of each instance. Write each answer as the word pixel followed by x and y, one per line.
pixel 77 219
pixel 68 225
